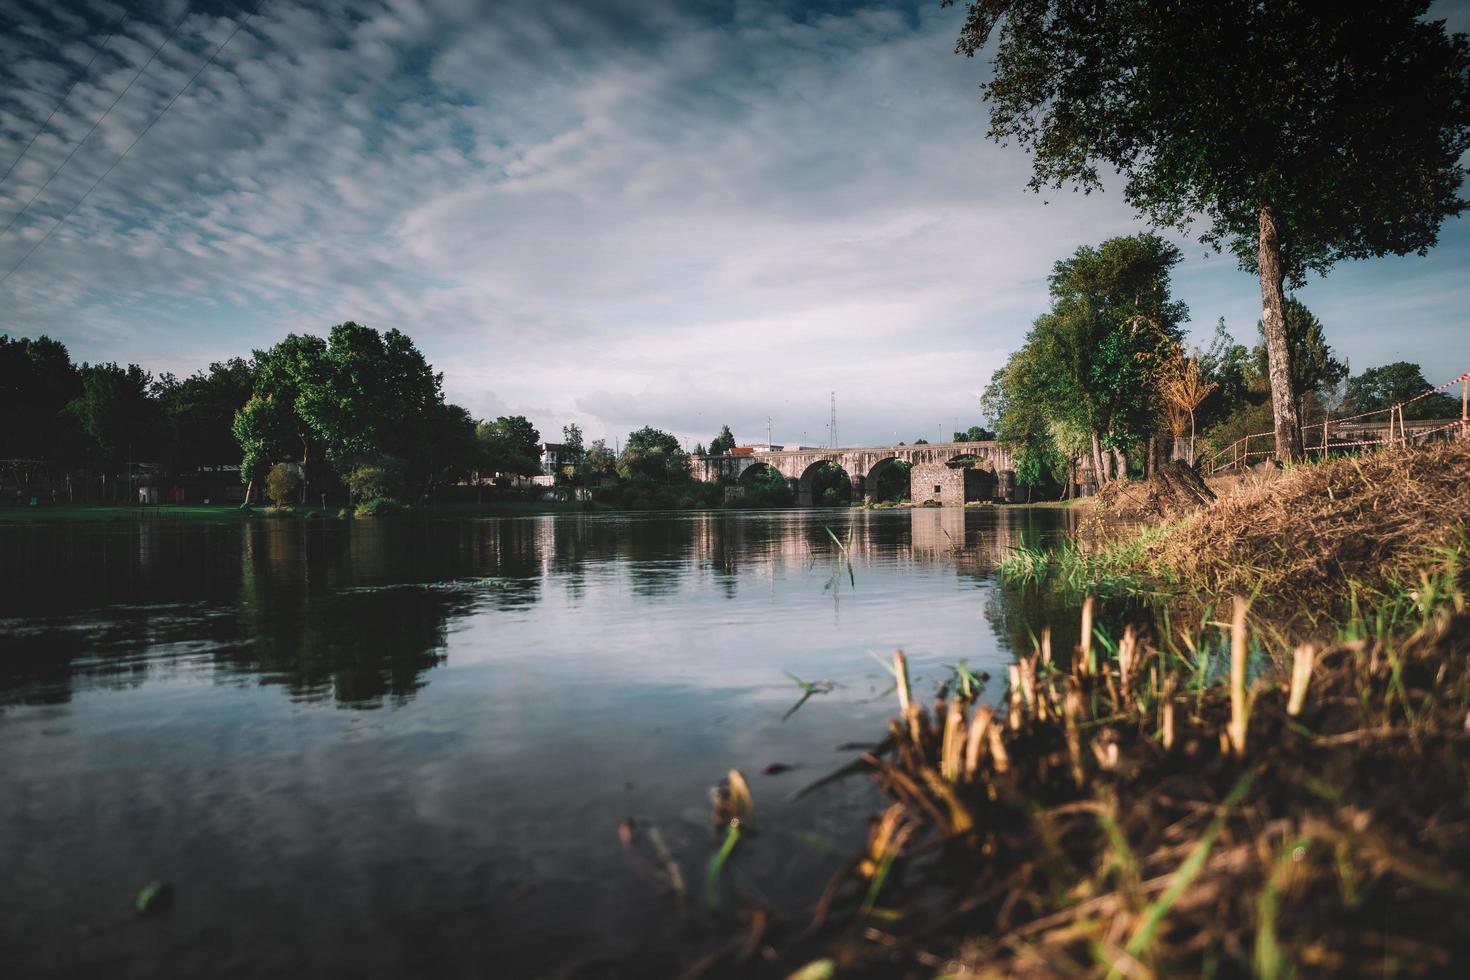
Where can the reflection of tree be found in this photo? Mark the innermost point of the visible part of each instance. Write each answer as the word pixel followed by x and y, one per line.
pixel 358 645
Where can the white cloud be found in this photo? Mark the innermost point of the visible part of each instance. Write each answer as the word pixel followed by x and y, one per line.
pixel 613 214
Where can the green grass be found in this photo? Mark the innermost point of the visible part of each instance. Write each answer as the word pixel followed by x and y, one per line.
pixel 1115 569
pixel 103 513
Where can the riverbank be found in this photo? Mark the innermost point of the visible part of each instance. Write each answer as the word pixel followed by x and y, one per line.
pixel 208 513
pixel 1250 790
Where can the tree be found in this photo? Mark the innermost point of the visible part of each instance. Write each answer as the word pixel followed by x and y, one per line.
pixel 270 426
pixel 1111 311
pixel 699 450
pixel 37 382
pixel 652 454
pixel 974 434
pixel 1378 388
pixel 1313 366
pixel 117 412
pixel 357 396
pixel 200 412
pixel 512 445
pixel 1304 132
pixel 600 460
pixel 281 484
pixel 723 442
pixel 1182 387
pixel 571 443
pixel 1227 365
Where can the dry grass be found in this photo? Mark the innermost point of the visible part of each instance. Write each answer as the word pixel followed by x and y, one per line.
pixel 1313 532
pixel 1118 816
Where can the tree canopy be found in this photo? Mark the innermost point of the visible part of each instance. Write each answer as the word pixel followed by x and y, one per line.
pixel 357 398
pixel 652 454
pixel 510 445
pixel 723 442
pixel 1380 387
pixel 1303 132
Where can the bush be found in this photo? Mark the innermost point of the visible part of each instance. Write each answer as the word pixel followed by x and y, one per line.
pixel 379 507
pixel 376 479
pixel 281 484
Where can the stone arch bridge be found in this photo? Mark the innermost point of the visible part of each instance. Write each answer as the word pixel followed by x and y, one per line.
pixel 864 466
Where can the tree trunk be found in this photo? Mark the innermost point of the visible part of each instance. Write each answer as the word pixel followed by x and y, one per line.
pixel 1099 473
pixel 1148 462
pixel 1278 350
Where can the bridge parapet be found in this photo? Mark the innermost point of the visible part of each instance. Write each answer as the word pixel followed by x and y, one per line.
pixel 859 462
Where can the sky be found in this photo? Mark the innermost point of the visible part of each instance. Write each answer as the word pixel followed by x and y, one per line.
pixel 614 213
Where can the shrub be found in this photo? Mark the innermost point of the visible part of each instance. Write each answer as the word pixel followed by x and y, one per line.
pixel 376 479
pixel 281 484
pixel 379 507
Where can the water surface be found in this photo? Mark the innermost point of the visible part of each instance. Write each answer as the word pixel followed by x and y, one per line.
pixel 403 747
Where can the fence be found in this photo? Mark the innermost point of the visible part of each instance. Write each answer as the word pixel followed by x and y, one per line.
pixel 1352 432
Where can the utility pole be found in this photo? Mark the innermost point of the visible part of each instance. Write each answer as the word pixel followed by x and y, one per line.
pixel 832 424
pixel 768 432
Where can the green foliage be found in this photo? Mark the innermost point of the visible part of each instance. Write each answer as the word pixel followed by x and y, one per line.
pixel 281 484
pixel 652 454
pixel 893 482
pixel 766 487
pixel 831 486
pixel 379 507
pixel 722 442
pixel 381 478
pixel 117 412
pixel 974 433
pixel 37 382
pixel 1083 371
pixel 1229 367
pixel 1383 386
pixel 599 461
pixel 510 445
pixel 1348 121
pixel 200 412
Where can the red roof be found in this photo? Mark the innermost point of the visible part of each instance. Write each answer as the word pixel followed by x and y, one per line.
pixel 741 451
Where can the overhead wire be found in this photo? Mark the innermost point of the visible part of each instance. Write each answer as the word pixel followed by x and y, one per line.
pixel 62 220
pixel 108 111
pixel 116 26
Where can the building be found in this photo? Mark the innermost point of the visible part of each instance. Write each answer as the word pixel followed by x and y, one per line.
pixel 554 456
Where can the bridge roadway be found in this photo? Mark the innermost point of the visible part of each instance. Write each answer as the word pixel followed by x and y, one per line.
pixel 863 465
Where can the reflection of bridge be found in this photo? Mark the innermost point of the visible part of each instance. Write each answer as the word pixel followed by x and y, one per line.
pixel 863 466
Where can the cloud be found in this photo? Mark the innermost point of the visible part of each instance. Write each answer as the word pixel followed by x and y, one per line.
pixel 617 214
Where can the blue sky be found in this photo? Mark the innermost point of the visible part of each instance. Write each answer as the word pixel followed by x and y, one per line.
pixel 616 213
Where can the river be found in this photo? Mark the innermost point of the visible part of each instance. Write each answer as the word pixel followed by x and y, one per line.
pixel 405 746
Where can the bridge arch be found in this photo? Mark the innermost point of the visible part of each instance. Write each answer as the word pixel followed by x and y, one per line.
pixel 888 479
pixel 811 487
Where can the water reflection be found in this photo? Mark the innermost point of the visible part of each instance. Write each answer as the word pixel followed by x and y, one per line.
pixel 184 701
pixel 360 613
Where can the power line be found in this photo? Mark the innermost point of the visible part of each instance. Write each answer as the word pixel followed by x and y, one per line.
pixel 116 26
pixel 245 20
pixel 105 114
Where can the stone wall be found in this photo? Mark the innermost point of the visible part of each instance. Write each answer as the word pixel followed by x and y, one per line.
pixel 953 486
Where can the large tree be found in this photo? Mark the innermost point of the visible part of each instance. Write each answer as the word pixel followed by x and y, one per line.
pixel 1303 132
pixel 511 445
pixel 357 398
pixel 723 442
pixel 1111 315
pixel 652 454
